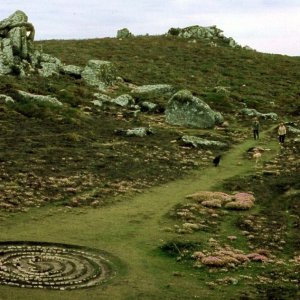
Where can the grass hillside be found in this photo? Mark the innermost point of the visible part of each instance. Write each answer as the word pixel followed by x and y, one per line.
pixel 41 142
pixel 262 81
pixel 68 177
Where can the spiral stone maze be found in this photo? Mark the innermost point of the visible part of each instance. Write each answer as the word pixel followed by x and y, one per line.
pixel 52 266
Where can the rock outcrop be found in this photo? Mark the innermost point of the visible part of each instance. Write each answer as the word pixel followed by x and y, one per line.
pixel 18 56
pixel 16 37
pixel 184 109
pixel 210 33
pixel 124 33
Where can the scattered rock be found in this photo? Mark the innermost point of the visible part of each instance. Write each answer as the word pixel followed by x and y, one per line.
pixel 97 103
pixel 40 98
pixel 153 90
pixel 72 70
pixel 124 33
pixel 148 106
pixel 103 97
pixel 124 100
pixel 254 113
pixel 293 130
pixel 139 131
pixel 49 65
pixel 198 142
pixel 184 109
pixel 6 99
pixel 99 73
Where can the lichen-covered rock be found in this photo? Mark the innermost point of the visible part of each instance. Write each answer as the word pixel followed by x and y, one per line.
pixel 5 66
pixel 49 69
pixel 74 71
pixel 210 33
pixel 103 97
pixel 184 109
pixel 293 130
pixel 197 32
pixel 232 43
pixel 99 73
pixel 49 65
pixel 124 100
pixel 97 103
pixel 138 131
pixel 251 112
pixel 19 42
pixel 40 98
pixel 219 119
pixel 154 90
pixel 124 33
pixel 148 106
pixel 16 37
pixel 6 99
pixel 201 143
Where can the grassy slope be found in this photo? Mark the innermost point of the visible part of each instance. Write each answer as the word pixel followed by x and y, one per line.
pixel 252 77
pixel 87 141
pixel 132 231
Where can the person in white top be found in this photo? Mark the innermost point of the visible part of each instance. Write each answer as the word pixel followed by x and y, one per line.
pixel 281 133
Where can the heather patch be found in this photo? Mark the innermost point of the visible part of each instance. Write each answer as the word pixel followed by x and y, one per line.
pixel 237 201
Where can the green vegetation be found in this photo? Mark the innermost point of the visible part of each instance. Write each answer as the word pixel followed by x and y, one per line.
pixel 67 177
pixel 262 81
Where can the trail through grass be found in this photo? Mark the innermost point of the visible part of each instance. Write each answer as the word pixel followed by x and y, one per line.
pixel 130 230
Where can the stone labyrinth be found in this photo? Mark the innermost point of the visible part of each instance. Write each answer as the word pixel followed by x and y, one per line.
pixel 52 266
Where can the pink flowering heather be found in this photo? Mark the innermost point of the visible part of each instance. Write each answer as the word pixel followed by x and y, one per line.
pixel 198 255
pixel 208 196
pixel 241 257
pixel 213 261
pixel 264 252
pixel 257 257
pixel 244 204
pixel 212 203
pixel 227 257
pixel 243 197
pixel 242 201
pixel 238 201
pixel 230 260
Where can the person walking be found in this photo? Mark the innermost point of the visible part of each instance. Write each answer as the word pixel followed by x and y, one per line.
pixel 281 133
pixel 255 129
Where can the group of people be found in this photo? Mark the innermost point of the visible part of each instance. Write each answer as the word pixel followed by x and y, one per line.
pixel 281 131
pixel 255 129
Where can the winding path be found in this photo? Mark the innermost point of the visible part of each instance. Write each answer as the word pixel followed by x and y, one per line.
pixel 132 231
